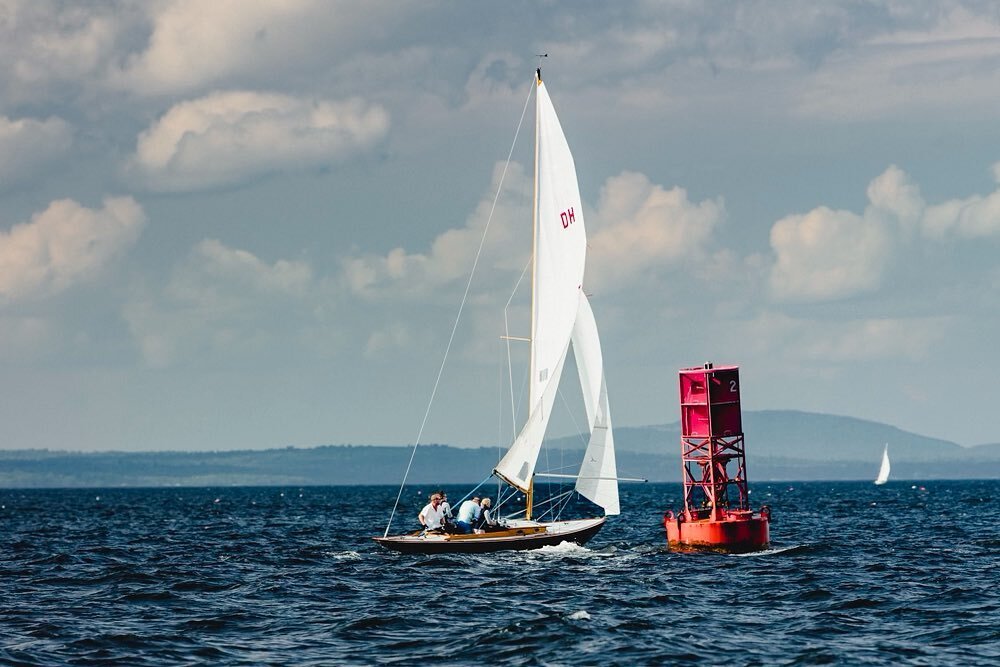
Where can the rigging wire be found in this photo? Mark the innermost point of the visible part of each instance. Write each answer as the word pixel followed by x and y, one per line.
pixel 506 330
pixel 510 369
pixel 458 316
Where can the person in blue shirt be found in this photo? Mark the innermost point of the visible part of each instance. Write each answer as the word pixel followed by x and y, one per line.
pixel 468 515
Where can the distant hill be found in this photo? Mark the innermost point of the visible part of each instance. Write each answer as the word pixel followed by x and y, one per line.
pixel 781 445
pixel 807 436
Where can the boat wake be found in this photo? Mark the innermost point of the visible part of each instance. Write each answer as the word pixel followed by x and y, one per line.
pixel 564 549
pixel 574 550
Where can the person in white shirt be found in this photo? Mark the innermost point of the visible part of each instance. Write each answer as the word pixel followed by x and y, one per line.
pixel 468 515
pixel 431 517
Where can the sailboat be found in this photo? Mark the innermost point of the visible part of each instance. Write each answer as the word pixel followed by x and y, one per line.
pixel 883 471
pixel 561 317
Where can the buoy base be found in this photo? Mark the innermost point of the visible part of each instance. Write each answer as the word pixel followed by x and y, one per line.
pixel 731 532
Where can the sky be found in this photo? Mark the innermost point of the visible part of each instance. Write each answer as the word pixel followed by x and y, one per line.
pixel 236 225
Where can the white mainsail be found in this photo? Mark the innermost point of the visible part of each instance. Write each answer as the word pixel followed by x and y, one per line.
pixel 561 314
pixel 883 472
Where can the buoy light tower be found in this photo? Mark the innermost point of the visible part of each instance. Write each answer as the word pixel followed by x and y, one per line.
pixel 717 512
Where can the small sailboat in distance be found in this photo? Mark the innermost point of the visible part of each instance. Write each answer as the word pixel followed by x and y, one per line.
pixel 561 318
pixel 883 472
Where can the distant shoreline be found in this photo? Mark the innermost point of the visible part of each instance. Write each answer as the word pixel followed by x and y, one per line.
pixel 781 446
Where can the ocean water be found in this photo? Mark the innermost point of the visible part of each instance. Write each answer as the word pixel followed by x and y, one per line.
pixel 906 573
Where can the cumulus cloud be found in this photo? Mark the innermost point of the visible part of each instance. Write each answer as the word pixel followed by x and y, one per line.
pixel 642 227
pixel 637 228
pixel 194 42
pixel 44 44
pixel 895 193
pixel 827 254
pixel 973 217
pixel 449 258
pixel 213 266
pixel 65 245
pixel 228 137
pixel 195 45
pixel 221 299
pixel 27 144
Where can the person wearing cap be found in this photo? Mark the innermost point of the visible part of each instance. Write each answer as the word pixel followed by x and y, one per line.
pixel 431 517
pixel 468 515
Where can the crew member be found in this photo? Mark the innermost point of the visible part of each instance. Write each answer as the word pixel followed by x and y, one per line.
pixel 431 517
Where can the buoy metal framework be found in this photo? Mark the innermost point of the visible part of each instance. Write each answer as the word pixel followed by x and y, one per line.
pixel 716 512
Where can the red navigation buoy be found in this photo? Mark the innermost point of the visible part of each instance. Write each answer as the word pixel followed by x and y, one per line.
pixel 716 512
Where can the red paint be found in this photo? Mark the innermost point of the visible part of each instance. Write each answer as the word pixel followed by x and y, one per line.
pixel 733 532
pixel 717 512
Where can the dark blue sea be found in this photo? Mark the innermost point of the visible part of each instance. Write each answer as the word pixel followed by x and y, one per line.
pixel 906 573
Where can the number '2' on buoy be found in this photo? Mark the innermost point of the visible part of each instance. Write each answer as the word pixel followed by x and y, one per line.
pixel 716 512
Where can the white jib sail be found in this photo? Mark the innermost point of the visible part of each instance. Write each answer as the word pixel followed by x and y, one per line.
pixel 598 472
pixel 560 257
pixel 883 472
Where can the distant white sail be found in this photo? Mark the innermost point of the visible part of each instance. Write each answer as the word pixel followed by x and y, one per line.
pixel 883 472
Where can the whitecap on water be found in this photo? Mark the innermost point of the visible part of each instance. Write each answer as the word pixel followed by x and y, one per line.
pixel 580 615
pixel 343 555
pixel 768 552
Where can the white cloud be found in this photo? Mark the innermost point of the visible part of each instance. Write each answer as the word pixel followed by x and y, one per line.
pixel 195 42
pixel 400 274
pixel 213 266
pixel 27 145
pixel 65 245
pixel 196 45
pixel 220 299
pixel 838 341
pixel 637 228
pixel 641 227
pixel 973 217
pixel 228 137
pixel 894 192
pixel 949 55
pixel 47 43
pixel 827 254
pixel 830 254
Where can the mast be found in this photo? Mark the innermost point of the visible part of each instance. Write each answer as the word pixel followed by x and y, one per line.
pixel 534 261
